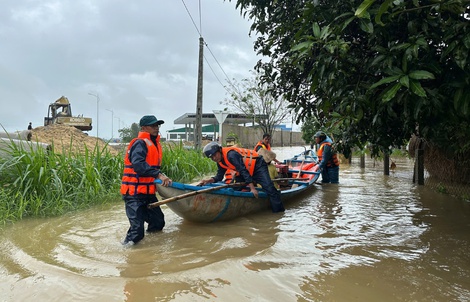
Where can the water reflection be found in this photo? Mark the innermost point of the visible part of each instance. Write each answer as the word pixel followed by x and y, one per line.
pixel 370 238
pixel 329 208
pixel 166 262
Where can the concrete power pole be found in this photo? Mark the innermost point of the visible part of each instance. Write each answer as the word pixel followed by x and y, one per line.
pixel 198 124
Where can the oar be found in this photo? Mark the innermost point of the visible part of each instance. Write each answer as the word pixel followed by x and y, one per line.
pixel 175 198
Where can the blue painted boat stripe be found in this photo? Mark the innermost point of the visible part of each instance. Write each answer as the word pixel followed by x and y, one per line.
pixel 227 203
pixel 304 172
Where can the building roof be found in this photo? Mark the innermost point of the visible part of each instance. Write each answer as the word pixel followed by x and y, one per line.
pixel 207 128
pixel 179 130
pixel 209 118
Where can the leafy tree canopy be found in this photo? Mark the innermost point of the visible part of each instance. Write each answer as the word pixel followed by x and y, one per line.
pixel 129 133
pixel 374 71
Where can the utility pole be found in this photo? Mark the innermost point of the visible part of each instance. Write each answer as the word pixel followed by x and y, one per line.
pixel 198 124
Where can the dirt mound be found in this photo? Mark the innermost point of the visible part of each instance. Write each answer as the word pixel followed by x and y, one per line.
pixel 67 138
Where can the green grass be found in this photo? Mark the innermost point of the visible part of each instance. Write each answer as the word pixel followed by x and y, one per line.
pixel 44 183
pixel 185 165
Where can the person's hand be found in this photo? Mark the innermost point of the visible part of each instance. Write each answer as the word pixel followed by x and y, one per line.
pixel 253 190
pixel 166 181
pixel 205 182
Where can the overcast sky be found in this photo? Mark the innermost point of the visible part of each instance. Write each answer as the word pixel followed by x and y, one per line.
pixel 139 57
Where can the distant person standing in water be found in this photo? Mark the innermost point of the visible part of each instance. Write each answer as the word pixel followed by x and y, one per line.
pixel 30 126
pixel 327 158
pixel 263 147
pixel 265 143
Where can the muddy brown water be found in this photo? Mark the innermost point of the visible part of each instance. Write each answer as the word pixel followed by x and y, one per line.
pixel 370 238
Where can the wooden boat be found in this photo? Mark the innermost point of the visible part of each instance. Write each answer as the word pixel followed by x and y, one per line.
pixel 222 202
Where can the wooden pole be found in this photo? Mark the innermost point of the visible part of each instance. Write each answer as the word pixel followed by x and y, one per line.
pixel 198 125
pixel 418 175
pixel 386 164
pixel 363 160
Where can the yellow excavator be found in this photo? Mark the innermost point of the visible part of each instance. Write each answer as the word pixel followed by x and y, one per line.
pixel 60 112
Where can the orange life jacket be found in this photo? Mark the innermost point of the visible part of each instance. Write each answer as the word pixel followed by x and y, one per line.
pixel 230 176
pixel 262 145
pixel 334 157
pixel 132 183
pixel 249 159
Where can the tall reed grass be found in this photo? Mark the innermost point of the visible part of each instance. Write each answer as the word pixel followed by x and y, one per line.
pixel 185 165
pixel 39 182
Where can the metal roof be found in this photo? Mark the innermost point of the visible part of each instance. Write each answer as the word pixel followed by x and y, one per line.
pixel 209 118
pixel 207 128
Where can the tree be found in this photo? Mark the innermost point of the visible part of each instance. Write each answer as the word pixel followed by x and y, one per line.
pixel 255 99
pixel 374 71
pixel 129 133
pixel 309 128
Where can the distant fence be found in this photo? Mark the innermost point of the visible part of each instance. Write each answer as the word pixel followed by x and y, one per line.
pixel 248 137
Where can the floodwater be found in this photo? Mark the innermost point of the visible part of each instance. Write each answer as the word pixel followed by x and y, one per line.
pixel 370 238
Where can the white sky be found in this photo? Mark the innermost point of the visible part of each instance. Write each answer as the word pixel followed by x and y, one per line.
pixel 140 57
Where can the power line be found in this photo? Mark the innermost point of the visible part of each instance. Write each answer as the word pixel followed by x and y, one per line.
pixel 191 17
pixel 199 30
pixel 213 72
pixel 220 66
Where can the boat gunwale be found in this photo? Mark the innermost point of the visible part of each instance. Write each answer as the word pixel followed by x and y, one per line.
pixel 302 185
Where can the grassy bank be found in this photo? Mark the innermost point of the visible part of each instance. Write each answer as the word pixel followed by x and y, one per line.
pixel 46 183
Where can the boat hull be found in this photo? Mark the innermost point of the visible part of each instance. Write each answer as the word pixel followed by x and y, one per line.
pixel 230 203
pixel 220 205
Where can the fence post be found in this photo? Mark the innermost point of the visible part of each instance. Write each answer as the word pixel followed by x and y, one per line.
pixel 418 174
pixel 386 164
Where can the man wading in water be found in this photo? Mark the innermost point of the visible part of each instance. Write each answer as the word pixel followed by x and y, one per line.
pixel 141 168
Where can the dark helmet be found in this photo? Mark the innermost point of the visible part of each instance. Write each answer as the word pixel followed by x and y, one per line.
pixel 321 135
pixel 266 135
pixel 211 148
